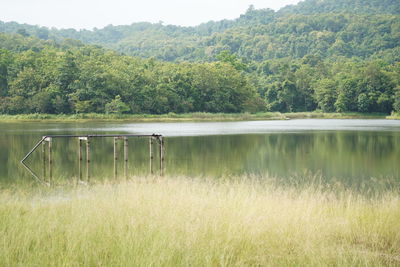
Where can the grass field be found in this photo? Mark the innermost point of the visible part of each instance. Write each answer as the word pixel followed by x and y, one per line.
pixel 178 221
pixel 198 116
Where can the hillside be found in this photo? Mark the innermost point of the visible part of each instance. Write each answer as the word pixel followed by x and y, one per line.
pixel 296 59
pixel 329 28
pixel 343 6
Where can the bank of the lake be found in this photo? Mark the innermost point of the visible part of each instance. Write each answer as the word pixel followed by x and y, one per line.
pixel 181 221
pixel 198 116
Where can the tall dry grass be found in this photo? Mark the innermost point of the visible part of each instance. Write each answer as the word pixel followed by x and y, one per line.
pixel 189 222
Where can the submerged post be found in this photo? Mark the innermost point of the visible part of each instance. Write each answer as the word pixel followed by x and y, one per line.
pixel 126 157
pixel 80 139
pixel 88 159
pixel 47 160
pixel 151 154
pixel 115 157
pixel 161 140
pixel 49 140
pixel 44 159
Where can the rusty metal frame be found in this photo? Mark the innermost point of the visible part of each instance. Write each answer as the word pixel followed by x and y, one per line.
pixel 48 138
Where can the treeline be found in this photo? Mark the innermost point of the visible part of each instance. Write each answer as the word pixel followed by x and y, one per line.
pixel 341 86
pixel 91 79
pixel 43 77
pixel 329 55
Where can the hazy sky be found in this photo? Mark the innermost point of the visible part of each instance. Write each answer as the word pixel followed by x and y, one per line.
pixel 87 14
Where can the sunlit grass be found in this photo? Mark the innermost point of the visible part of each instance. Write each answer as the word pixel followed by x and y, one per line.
pixel 198 222
pixel 323 115
pixel 197 116
pixel 394 116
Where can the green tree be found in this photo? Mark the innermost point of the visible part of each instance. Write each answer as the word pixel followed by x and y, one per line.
pixel 5 62
pixel 363 103
pixel 347 96
pixel 23 32
pixel 378 87
pixel 396 105
pixel 326 95
pixel 116 106
pixel 227 57
pixel 42 102
pixel 68 74
pixel 289 95
pixel 42 33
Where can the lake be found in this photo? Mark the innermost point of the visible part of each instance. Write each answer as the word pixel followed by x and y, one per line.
pixel 349 151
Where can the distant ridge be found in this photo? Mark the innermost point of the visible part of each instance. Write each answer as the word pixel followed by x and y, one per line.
pixel 343 6
pixel 330 28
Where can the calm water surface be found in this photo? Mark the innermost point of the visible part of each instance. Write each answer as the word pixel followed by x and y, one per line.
pixel 346 150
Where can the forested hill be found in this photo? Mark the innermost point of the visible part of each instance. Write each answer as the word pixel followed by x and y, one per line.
pixel 343 6
pixel 329 28
pixel 342 56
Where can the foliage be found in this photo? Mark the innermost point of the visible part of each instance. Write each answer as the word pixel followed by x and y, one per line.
pixel 330 28
pixel 336 56
pixel 396 105
pixel 116 106
pixel 91 79
pixel 355 7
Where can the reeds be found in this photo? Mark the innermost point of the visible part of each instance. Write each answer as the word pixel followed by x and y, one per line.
pixel 196 116
pixel 198 222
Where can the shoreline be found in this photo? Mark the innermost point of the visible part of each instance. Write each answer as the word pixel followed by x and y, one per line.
pixel 190 117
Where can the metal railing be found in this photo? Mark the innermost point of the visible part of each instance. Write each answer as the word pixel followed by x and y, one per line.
pixel 48 139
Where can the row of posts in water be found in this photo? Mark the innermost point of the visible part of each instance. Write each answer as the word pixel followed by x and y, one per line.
pixel 48 160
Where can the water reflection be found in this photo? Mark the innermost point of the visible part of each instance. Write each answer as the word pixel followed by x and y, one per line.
pixel 350 156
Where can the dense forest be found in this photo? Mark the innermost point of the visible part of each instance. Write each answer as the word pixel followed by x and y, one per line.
pixel 329 55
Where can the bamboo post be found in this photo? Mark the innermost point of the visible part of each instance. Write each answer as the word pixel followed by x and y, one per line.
pixel 50 161
pixel 80 160
pixel 44 159
pixel 161 155
pixel 126 157
pixel 115 157
pixel 151 154
pixel 88 159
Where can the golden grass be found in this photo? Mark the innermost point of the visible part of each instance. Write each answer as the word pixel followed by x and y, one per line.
pixel 170 117
pixel 192 222
pixel 323 115
pixel 394 116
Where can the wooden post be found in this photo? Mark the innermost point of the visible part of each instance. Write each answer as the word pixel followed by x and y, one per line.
pixel 80 160
pixel 88 159
pixel 44 159
pixel 161 155
pixel 115 157
pixel 151 154
pixel 50 161
pixel 126 157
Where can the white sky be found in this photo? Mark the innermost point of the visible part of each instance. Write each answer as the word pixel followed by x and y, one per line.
pixel 87 14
